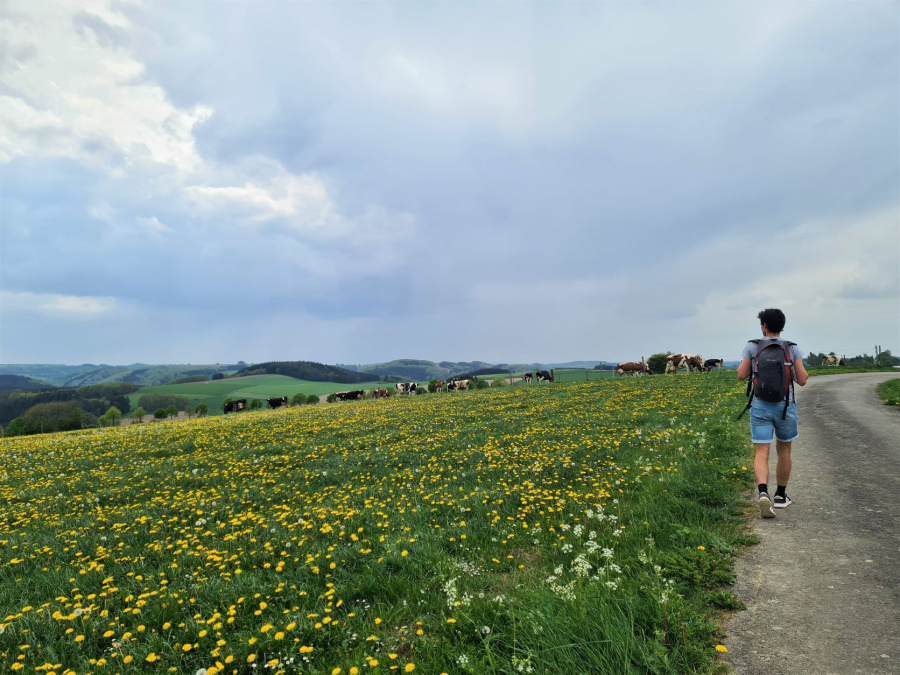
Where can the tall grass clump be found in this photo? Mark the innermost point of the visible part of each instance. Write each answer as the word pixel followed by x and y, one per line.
pixel 889 392
pixel 562 528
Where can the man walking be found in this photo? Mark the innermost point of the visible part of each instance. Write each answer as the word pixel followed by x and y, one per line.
pixel 774 365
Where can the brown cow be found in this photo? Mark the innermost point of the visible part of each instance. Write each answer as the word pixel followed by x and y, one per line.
pixel 633 368
pixel 438 385
pixel 689 361
pixel 380 393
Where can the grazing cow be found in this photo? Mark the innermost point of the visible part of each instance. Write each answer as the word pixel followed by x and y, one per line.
pixel 709 364
pixel 544 376
pixel 689 361
pixel 407 388
pixel 456 385
pixel 277 402
pixel 350 395
pixel 633 368
pixel 380 393
pixel 696 363
pixel 833 360
pixel 527 377
pixel 235 406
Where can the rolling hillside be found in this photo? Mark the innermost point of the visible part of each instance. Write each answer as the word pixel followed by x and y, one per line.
pixel 142 374
pixel 212 393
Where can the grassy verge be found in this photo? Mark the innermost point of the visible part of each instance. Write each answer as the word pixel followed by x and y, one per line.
pixel 567 528
pixel 838 370
pixel 889 391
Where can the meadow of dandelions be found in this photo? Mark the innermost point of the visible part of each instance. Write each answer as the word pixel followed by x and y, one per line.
pixel 532 528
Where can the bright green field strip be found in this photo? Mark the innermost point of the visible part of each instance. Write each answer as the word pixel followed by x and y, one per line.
pixel 212 393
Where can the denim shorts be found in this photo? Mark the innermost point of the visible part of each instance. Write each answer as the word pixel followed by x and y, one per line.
pixel 765 418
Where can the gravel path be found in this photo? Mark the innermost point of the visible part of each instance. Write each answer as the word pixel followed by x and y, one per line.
pixel 822 589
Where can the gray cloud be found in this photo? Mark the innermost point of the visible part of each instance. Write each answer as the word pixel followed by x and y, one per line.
pixel 516 182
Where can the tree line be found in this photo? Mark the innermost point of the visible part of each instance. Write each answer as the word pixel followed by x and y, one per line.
pixel 311 371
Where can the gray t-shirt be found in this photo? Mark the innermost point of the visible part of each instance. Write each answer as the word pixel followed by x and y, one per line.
pixel 796 353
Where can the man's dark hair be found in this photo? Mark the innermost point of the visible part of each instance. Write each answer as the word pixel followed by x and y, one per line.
pixel 773 318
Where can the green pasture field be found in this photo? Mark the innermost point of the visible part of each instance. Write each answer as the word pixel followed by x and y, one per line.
pixel 581 374
pixel 564 528
pixel 213 392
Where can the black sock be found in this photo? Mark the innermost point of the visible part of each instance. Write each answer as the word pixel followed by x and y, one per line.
pixel 780 491
pixel 763 488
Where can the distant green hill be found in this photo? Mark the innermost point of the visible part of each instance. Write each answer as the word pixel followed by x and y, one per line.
pixel 418 369
pixel 13 382
pixel 141 374
pixel 53 373
pixel 144 375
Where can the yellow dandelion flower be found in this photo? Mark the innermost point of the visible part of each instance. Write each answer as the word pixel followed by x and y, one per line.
pixel 721 648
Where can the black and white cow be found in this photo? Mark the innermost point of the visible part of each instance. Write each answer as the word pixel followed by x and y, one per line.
pixel 277 402
pixel 235 406
pixel 456 385
pixel 709 364
pixel 544 376
pixel 833 360
pixel 349 395
pixel 527 377
pixel 408 388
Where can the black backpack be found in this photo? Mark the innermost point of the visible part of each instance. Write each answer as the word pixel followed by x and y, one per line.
pixel 772 377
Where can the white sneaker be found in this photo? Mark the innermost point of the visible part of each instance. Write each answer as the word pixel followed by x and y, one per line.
pixel 765 506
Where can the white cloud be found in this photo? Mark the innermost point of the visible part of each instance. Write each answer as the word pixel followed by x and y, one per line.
pixel 81 97
pixel 56 305
pixel 154 229
pixel 303 200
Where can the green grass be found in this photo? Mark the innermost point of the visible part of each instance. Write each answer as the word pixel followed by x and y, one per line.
pixel 212 393
pixel 581 375
pixel 839 370
pixel 566 528
pixel 889 392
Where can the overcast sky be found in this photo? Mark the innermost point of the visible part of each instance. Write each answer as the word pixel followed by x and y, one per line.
pixel 508 182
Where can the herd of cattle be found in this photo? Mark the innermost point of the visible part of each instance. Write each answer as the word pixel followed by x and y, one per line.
pixel 674 362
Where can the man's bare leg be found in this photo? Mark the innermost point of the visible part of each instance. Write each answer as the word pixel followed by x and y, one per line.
pixel 782 473
pixel 783 467
pixel 761 468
